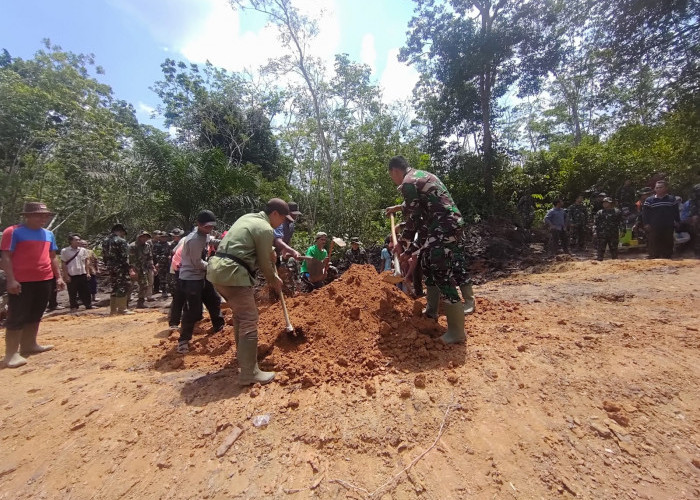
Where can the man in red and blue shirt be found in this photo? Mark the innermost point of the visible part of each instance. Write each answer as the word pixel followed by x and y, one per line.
pixel 29 260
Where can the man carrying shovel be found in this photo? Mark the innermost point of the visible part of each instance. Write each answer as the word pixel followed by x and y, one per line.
pixel 429 207
pixel 245 248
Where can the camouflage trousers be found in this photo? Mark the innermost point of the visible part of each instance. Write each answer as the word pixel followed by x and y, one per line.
pixel 444 266
pixel 120 282
pixel 144 280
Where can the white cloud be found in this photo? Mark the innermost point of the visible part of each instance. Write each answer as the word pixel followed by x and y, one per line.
pixel 219 39
pixel 398 79
pixel 368 54
pixel 145 108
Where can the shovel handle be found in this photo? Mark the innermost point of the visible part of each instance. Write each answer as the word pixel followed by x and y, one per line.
pixel 330 252
pixel 288 326
pixel 397 266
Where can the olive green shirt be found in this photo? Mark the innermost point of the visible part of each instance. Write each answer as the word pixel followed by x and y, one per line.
pixel 250 239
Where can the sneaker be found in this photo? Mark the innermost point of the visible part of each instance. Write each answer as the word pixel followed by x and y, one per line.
pixel 183 347
pixel 174 328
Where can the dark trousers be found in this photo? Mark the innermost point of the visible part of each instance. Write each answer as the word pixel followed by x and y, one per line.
pixel 611 242
pixel 53 296
pixel 578 235
pixel 557 237
pixel 178 300
pixel 660 242
pixel 198 293
pixel 79 286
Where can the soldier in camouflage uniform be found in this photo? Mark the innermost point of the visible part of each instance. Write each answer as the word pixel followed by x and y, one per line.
pixel 161 258
pixel 429 206
pixel 356 254
pixel 115 254
pixel 526 211
pixel 141 260
pixel 578 219
pixel 607 228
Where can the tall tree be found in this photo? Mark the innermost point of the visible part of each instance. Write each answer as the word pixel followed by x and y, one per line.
pixel 477 49
pixel 296 32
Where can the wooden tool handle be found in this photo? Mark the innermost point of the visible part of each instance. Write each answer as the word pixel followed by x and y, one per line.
pixel 325 269
pixel 288 326
pixel 397 265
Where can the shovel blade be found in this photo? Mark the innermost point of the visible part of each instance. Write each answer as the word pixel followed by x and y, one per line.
pixel 392 278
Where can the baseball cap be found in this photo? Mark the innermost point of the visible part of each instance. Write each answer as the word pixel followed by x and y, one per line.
pixel 280 206
pixel 320 234
pixel 206 218
pixel 293 208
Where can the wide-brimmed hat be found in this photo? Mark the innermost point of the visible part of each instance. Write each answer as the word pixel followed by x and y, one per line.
pixel 143 232
pixel 35 207
pixel 118 227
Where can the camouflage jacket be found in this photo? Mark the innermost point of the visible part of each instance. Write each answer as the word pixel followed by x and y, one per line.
pixel 359 257
pixel 428 206
pixel 141 256
pixel 161 253
pixel 607 222
pixel 578 214
pixel 115 253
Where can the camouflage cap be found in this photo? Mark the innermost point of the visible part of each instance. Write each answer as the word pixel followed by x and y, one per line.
pixel 177 232
pixel 607 200
pixel 143 232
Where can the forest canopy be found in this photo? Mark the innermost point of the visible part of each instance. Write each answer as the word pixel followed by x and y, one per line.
pixel 553 97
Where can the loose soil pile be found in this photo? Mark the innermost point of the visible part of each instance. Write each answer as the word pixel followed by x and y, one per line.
pixel 579 380
pixel 356 328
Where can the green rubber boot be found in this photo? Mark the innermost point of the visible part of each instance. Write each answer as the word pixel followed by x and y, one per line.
pixel 455 323
pixel 433 299
pixel 468 297
pixel 122 304
pixel 248 362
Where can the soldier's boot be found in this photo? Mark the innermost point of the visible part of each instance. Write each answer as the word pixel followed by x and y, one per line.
pixel 28 343
pixel 248 361
pixel 468 296
pixel 12 356
pixel 432 302
pixel 141 303
pixel 113 305
pixel 122 303
pixel 455 323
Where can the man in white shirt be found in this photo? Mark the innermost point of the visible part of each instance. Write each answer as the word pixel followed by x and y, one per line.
pixel 75 273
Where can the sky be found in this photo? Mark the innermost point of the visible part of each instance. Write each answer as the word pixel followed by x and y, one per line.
pixel 131 38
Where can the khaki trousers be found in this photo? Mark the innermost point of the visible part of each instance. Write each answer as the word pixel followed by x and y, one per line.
pixel 245 312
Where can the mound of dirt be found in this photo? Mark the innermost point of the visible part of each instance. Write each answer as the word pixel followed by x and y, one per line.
pixel 349 331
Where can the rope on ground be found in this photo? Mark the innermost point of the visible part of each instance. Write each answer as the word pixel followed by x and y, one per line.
pixel 390 481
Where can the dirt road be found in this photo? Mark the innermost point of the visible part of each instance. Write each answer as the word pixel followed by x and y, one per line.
pixel 580 380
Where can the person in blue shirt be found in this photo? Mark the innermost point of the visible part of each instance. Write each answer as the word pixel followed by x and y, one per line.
pixel 386 255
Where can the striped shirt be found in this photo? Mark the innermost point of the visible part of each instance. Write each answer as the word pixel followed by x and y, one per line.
pixel 660 212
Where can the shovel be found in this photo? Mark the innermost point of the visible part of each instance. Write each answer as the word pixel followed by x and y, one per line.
pixel 335 241
pixel 288 328
pixel 396 277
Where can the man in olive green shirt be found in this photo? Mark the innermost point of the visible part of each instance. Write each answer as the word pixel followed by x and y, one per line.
pixel 246 247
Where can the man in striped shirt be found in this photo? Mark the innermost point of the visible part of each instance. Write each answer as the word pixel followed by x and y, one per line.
pixel 660 216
